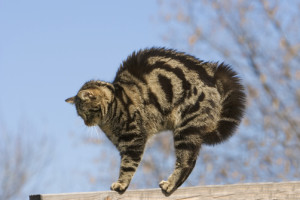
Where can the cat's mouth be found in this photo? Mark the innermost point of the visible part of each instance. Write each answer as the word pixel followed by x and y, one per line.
pixel 90 123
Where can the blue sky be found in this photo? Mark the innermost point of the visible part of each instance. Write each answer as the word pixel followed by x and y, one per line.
pixel 48 49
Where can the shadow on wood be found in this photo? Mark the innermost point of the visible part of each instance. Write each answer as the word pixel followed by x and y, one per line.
pixel 282 190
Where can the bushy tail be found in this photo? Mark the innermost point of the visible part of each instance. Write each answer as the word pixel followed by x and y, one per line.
pixel 233 104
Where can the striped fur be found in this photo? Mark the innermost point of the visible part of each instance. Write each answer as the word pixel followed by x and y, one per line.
pixel 159 89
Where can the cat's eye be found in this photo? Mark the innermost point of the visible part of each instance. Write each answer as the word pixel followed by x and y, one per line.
pixel 95 110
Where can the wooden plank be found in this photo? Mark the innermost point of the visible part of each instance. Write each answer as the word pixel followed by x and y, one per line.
pixel 261 191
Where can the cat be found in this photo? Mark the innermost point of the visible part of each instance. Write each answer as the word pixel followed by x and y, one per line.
pixel 159 89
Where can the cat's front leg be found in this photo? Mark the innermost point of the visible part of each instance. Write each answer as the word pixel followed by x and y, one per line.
pixel 130 159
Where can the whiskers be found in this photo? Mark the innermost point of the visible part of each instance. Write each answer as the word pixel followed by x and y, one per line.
pixel 93 135
pixel 91 131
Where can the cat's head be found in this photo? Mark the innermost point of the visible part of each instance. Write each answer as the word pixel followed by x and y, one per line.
pixel 93 101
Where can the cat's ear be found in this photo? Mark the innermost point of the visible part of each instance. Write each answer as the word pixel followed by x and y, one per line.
pixel 108 94
pixel 86 95
pixel 70 100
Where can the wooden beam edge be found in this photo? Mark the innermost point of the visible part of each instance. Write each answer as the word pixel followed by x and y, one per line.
pixel 185 192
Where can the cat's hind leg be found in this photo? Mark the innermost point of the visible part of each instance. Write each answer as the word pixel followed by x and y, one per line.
pixel 187 143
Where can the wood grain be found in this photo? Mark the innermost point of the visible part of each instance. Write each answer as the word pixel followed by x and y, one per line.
pixel 255 191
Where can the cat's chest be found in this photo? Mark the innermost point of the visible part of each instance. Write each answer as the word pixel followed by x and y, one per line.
pixel 109 133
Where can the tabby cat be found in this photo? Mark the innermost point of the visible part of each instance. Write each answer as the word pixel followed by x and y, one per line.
pixel 161 89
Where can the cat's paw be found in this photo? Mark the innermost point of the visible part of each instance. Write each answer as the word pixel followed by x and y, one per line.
pixel 119 187
pixel 167 188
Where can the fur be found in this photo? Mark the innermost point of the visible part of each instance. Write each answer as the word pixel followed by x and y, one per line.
pixel 161 89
